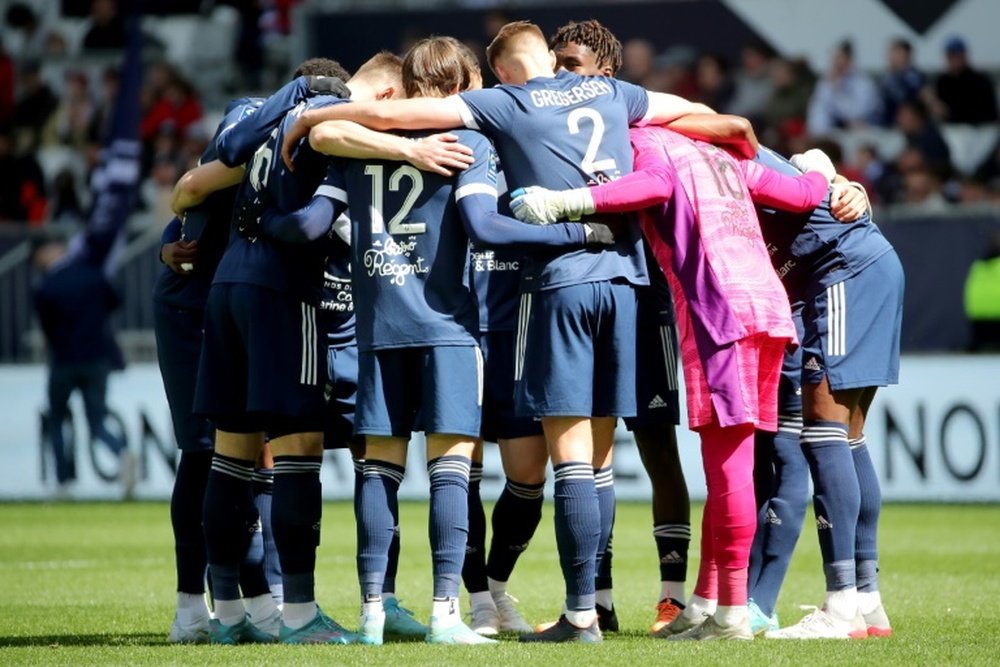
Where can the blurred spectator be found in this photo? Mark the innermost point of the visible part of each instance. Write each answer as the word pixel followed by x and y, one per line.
pixel 107 27
pixel 64 204
pixel 26 35
pixel 844 97
pixel 101 120
pixel 752 81
pixel 22 188
pixel 786 109
pixel 923 189
pixel 177 105
pixel 6 87
pixel 70 124
pixel 973 191
pixel 982 299
pixel 673 72
pixel 157 190
pixel 35 105
pixel 715 88
pixel 873 170
pixel 964 95
pixel 989 171
pixel 923 134
pixel 637 60
pixel 903 82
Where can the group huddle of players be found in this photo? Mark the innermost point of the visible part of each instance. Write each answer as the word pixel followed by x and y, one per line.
pixel 332 284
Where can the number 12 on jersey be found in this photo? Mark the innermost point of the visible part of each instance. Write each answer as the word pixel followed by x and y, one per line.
pixel 377 208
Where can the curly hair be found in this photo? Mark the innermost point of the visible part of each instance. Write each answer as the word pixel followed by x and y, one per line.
pixel 595 37
pixel 321 67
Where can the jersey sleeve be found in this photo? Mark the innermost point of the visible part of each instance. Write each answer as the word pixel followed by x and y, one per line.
pixel 334 185
pixel 481 177
pixel 797 194
pixel 650 183
pixel 487 110
pixel 172 232
pixel 636 100
pixel 237 142
pixel 314 220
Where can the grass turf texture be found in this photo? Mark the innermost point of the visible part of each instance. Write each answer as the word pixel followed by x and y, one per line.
pixel 93 584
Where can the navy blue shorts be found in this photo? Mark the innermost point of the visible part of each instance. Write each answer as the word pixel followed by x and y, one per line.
pixel 341 393
pixel 852 329
pixel 428 389
pixel 656 391
pixel 178 346
pixel 576 352
pixel 790 382
pixel 499 420
pixel 261 364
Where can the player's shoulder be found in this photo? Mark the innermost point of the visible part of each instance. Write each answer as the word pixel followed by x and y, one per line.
pixel 474 139
pixel 319 101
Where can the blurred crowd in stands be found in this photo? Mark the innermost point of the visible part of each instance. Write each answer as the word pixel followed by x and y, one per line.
pixel 922 139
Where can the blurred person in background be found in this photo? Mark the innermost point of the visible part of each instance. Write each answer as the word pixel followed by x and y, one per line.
pixel 715 87
pixel 175 103
pixel 844 97
pixel 74 300
pixel 22 188
pixel 785 111
pixel 753 81
pixel 69 125
pixel 25 31
pixel 903 82
pixel 6 86
pixel 923 190
pixel 107 27
pixel 35 104
pixel 922 133
pixel 673 72
pixel 637 61
pixel 64 205
pixel 963 94
pixel 982 300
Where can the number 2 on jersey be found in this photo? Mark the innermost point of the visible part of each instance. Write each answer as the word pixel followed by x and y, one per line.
pixel 396 224
pixel 590 163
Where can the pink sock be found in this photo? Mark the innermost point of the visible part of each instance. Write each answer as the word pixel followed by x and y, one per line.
pixel 707 585
pixel 727 455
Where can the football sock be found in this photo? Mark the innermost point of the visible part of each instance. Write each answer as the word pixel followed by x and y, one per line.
pixel 842 603
pixel 706 586
pixel 296 512
pixel 474 567
pixel 582 618
pixel 578 531
pixel 515 518
pixel 229 517
pixel 605 485
pixel 378 515
pixel 672 543
pixel 866 539
pixel 779 522
pixel 449 521
pixel 186 508
pixel 730 615
pixel 229 612
pixel 297 615
pixel 191 607
pixel 263 487
pixel 836 498
pixel 481 599
pixel 253 581
pixel 444 610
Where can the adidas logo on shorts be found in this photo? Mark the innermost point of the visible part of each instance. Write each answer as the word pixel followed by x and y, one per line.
pixel 812 365
pixel 773 518
pixel 672 558
pixel 822 523
pixel 657 402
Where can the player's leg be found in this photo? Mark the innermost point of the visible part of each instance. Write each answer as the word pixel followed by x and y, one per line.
pixel 474 566
pixel 263 490
pixel 604 434
pixel 260 573
pixel 60 387
pixel 866 545
pixel 93 383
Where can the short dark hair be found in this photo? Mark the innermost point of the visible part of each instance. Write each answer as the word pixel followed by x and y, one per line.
pixel 595 37
pixel 321 67
pixel 904 44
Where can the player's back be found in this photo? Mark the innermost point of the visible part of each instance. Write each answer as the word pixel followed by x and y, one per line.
pixel 285 267
pixel 812 251
pixel 566 131
pixel 410 254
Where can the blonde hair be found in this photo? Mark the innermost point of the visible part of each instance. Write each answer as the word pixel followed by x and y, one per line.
pixel 509 35
pixel 438 66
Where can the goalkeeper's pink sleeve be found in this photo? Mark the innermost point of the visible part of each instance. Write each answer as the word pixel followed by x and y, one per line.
pixel 797 194
pixel 650 184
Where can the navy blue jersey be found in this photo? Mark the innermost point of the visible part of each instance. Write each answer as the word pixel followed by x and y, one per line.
pixel 208 224
pixel 495 274
pixel 815 250
pixel 565 132
pixel 411 250
pixel 335 317
pixel 292 268
pixel 658 294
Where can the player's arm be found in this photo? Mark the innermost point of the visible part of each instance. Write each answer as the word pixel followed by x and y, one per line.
pixel 733 132
pixel 797 194
pixel 198 183
pixel 174 252
pixel 307 224
pixel 440 153
pixel 665 108
pixel 490 229
pixel 413 114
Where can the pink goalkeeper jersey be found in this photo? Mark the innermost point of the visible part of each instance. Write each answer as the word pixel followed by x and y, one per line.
pixel 708 241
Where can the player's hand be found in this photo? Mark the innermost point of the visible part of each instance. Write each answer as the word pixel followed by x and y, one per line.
pixel 298 131
pixel 440 154
pixel 537 206
pixel 179 256
pixel 815 160
pixel 848 201
pixel 328 85
pixel 598 235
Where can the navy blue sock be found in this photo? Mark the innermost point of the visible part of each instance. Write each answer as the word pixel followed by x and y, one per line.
pixel 836 498
pixel 866 540
pixel 474 568
pixel 296 512
pixel 604 481
pixel 515 519
pixel 378 515
pixel 186 507
pixel 253 581
pixel 779 522
pixel 229 517
pixel 263 486
pixel 672 542
pixel 578 531
pixel 448 521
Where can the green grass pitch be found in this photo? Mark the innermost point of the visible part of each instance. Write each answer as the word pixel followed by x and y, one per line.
pixel 84 584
